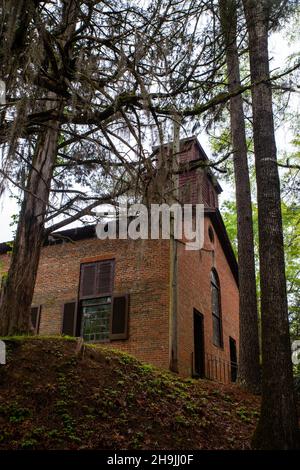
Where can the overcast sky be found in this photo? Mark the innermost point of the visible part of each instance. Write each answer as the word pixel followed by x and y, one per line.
pixel 279 50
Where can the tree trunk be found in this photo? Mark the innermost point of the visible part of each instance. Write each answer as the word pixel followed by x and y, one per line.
pixel 16 298
pixel 249 369
pixel 18 291
pixel 277 427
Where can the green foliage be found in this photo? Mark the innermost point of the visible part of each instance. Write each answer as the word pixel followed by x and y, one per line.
pixel 291 230
pixel 14 221
pixel 246 415
pixel 230 219
pixel 28 443
pixel 15 413
pixel 63 404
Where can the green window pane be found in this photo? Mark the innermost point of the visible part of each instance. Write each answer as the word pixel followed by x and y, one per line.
pixel 96 319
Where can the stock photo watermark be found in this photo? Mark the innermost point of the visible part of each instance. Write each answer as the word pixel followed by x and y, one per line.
pixel 159 221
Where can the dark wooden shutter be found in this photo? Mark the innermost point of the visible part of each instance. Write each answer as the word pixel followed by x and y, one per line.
pixel 88 280
pixel 96 279
pixel 35 318
pixel 69 319
pixel 105 277
pixel 119 322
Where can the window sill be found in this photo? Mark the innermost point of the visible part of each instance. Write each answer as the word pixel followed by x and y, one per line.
pixel 104 341
pixel 98 341
pixel 219 347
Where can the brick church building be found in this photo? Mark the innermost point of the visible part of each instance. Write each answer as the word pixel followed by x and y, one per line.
pixel 120 292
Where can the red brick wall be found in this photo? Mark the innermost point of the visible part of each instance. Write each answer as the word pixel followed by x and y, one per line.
pixel 195 186
pixel 142 269
pixel 137 272
pixel 195 292
pixel 188 152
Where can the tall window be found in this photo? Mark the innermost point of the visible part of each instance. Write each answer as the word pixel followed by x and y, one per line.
pixel 96 288
pixel 216 309
pixel 96 315
pixel 101 316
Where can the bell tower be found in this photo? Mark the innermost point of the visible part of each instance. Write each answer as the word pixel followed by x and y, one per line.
pixel 197 183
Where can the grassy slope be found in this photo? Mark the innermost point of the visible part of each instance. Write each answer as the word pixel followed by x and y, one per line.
pixel 51 397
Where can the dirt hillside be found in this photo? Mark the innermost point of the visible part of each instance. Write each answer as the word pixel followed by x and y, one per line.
pixel 53 396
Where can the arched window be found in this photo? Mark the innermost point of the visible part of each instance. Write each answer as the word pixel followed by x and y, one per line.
pixel 216 309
